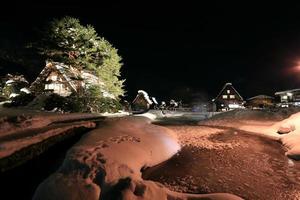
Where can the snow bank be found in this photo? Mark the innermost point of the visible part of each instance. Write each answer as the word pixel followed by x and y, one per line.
pixel 9 147
pixel 15 120
pixel 290 140
pixel 265 123
pixel 106 164
pixel 256 121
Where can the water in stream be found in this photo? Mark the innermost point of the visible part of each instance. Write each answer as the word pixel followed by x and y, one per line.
pixel 255 168
pixel 22 181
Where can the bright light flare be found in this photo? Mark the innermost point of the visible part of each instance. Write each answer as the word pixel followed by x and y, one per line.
pixel 293 70
pixel 297 67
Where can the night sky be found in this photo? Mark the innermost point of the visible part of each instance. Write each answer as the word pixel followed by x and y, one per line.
pixel 172 49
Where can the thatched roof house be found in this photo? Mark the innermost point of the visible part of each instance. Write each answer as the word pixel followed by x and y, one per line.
pixel 228 98
pixel 64 80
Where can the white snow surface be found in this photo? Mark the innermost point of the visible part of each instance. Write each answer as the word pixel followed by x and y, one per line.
pixel 11 122
pixel 26 90
pixel 291 140
pixel 10 147
pixel 106 164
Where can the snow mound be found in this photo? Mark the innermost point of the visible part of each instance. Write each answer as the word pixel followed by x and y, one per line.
pixel 106 164
pixel 292 140
pixel 286 128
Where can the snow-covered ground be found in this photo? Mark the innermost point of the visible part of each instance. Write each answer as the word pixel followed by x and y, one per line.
pixel 107 163
pixel 22 128
pixel 265 123
pixel 236 152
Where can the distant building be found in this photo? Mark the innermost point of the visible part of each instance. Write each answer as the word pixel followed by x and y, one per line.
pixel 289 98
pixel 13 85
pixel 141 103
pixel 228 99
pixel 260 101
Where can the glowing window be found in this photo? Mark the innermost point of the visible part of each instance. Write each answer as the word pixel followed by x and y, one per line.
pixel 284 97
pixel 231 96
pixel 224 96
pixel 228 91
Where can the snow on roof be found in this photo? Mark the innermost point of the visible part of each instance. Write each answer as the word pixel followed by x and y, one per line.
pixel 154 100
pixel 26 90
pixel 66 71
pixel 9 81
pixel 229 84
pixel 12 95
pixel 146 96
pixel 15 78
pixel 287 91
pixel 261 97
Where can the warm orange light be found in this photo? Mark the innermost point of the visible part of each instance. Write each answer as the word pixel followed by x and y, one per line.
pixel 297 67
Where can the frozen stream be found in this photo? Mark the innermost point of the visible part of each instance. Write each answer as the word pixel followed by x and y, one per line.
pixel 253 167
pixel 22 181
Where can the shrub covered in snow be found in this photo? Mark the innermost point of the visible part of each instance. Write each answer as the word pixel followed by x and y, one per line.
pixel 22 100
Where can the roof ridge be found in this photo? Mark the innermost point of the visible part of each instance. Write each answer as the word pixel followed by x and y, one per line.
pixel 226 84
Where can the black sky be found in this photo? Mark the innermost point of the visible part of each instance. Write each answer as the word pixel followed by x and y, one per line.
pixel 175 47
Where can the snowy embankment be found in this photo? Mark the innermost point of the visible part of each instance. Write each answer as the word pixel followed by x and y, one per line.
pixel 8 147
pixel 281 125
pixel 14 120
pixel 25 134
pixel 107 162
pixel 291 137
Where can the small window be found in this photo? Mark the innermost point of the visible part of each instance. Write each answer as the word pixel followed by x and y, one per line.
pixel 224 96
pixel 232 96
pixel 284 97
pixel 228 91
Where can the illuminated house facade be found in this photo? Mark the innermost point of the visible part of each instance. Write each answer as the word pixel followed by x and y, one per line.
pixel 228 99
pixel 260 101
pixel 289 97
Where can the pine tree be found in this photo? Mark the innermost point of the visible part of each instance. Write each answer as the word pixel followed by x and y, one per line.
pixel 66 40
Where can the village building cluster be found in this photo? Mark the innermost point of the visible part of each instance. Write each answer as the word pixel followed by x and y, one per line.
pixel 55 78
pixel 227 99
pixel 64 80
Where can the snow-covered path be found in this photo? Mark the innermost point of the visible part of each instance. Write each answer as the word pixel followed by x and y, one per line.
pixel 26 134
